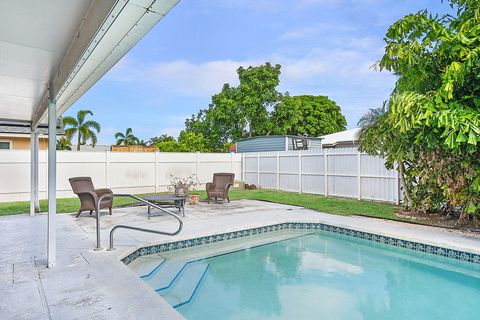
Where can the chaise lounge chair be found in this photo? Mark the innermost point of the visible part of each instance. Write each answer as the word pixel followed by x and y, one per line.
pixel 83 188
pixel 220 186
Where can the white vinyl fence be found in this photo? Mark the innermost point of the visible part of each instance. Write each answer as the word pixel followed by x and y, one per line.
pixel 341 172
pixel 121 171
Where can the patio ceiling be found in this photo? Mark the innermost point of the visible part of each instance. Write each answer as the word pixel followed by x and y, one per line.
pixel 57 49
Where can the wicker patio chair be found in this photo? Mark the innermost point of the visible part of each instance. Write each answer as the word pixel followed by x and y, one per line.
pixel 220 185
pixel 83 188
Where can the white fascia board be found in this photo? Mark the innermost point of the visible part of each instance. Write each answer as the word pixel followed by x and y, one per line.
pixel 126 23
pixel 20 135
pixel 94 19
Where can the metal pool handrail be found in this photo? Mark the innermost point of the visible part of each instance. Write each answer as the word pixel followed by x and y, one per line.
pixel 112 195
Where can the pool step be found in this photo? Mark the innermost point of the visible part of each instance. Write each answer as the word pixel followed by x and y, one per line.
pixel 185 284
pixel 164 275
pixel 146 265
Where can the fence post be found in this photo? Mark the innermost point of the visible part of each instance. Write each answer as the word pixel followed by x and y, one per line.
pixel 156 172
pixel 197 154
pixel 278 170
pixel 243 167
pixel 107 168
pixel 258 170
pixel 299 171
pixel 325 171
pixel 359 175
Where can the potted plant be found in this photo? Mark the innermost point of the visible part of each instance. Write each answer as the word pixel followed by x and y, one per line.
pixel 193 199
pixel 181 185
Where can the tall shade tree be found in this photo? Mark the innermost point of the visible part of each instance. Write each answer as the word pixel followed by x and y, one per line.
pixel 239 111
pixel 257 94
pixel 127 138
pixel 308 115
pixel 188 141
pixel 163 138
pixel 85 130
pixel 255 108
pixel 222 122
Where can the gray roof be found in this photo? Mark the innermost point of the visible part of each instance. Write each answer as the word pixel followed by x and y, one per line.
pixel 24 127
pixel 277 136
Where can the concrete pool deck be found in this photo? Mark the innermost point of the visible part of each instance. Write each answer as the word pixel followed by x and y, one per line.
pixel 88 284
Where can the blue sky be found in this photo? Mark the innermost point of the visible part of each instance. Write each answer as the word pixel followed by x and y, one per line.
pixel 325 47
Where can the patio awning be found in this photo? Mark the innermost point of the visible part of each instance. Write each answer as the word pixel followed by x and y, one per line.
pixel 57 49
pixel 51 53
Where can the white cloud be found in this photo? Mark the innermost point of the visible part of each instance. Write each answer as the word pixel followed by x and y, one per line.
pixel 345 75
pixel 183 77
pixel 301 33
pixel 205 79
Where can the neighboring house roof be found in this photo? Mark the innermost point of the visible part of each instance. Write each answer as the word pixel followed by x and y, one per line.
pixel 97 148
pixel 342 137
pixel 276 136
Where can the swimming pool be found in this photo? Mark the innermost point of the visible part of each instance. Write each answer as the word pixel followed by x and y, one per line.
pixel 311 274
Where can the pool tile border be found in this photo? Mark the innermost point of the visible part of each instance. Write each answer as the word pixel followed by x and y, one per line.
pixel 411 245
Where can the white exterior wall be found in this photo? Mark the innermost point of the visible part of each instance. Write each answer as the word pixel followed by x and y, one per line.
pixel 126 172
pixel 341 172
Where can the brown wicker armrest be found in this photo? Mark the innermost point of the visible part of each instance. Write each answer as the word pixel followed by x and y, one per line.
pixel 103 191
pixel 210 186
pixel 88 195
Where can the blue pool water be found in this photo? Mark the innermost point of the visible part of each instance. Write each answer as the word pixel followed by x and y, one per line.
pixel 318 276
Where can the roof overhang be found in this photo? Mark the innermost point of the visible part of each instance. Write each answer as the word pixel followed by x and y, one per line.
pixel 23 128
pixel 56 50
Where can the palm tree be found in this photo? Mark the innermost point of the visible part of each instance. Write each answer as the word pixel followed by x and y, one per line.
pixel 63 144
pixel 127 138
pixel 85 130
pixel 373 116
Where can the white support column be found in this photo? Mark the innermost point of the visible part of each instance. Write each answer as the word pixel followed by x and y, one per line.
pixel 34 202
pixel 52 184
pixel 37 178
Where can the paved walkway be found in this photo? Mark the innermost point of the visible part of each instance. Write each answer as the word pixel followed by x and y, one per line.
pixel 89 284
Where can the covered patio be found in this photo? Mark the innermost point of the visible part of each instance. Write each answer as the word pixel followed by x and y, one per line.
pixel 51 53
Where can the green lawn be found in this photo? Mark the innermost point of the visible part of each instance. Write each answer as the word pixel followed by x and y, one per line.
pixel 340 206
pixel 331 205
pixel 63 205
